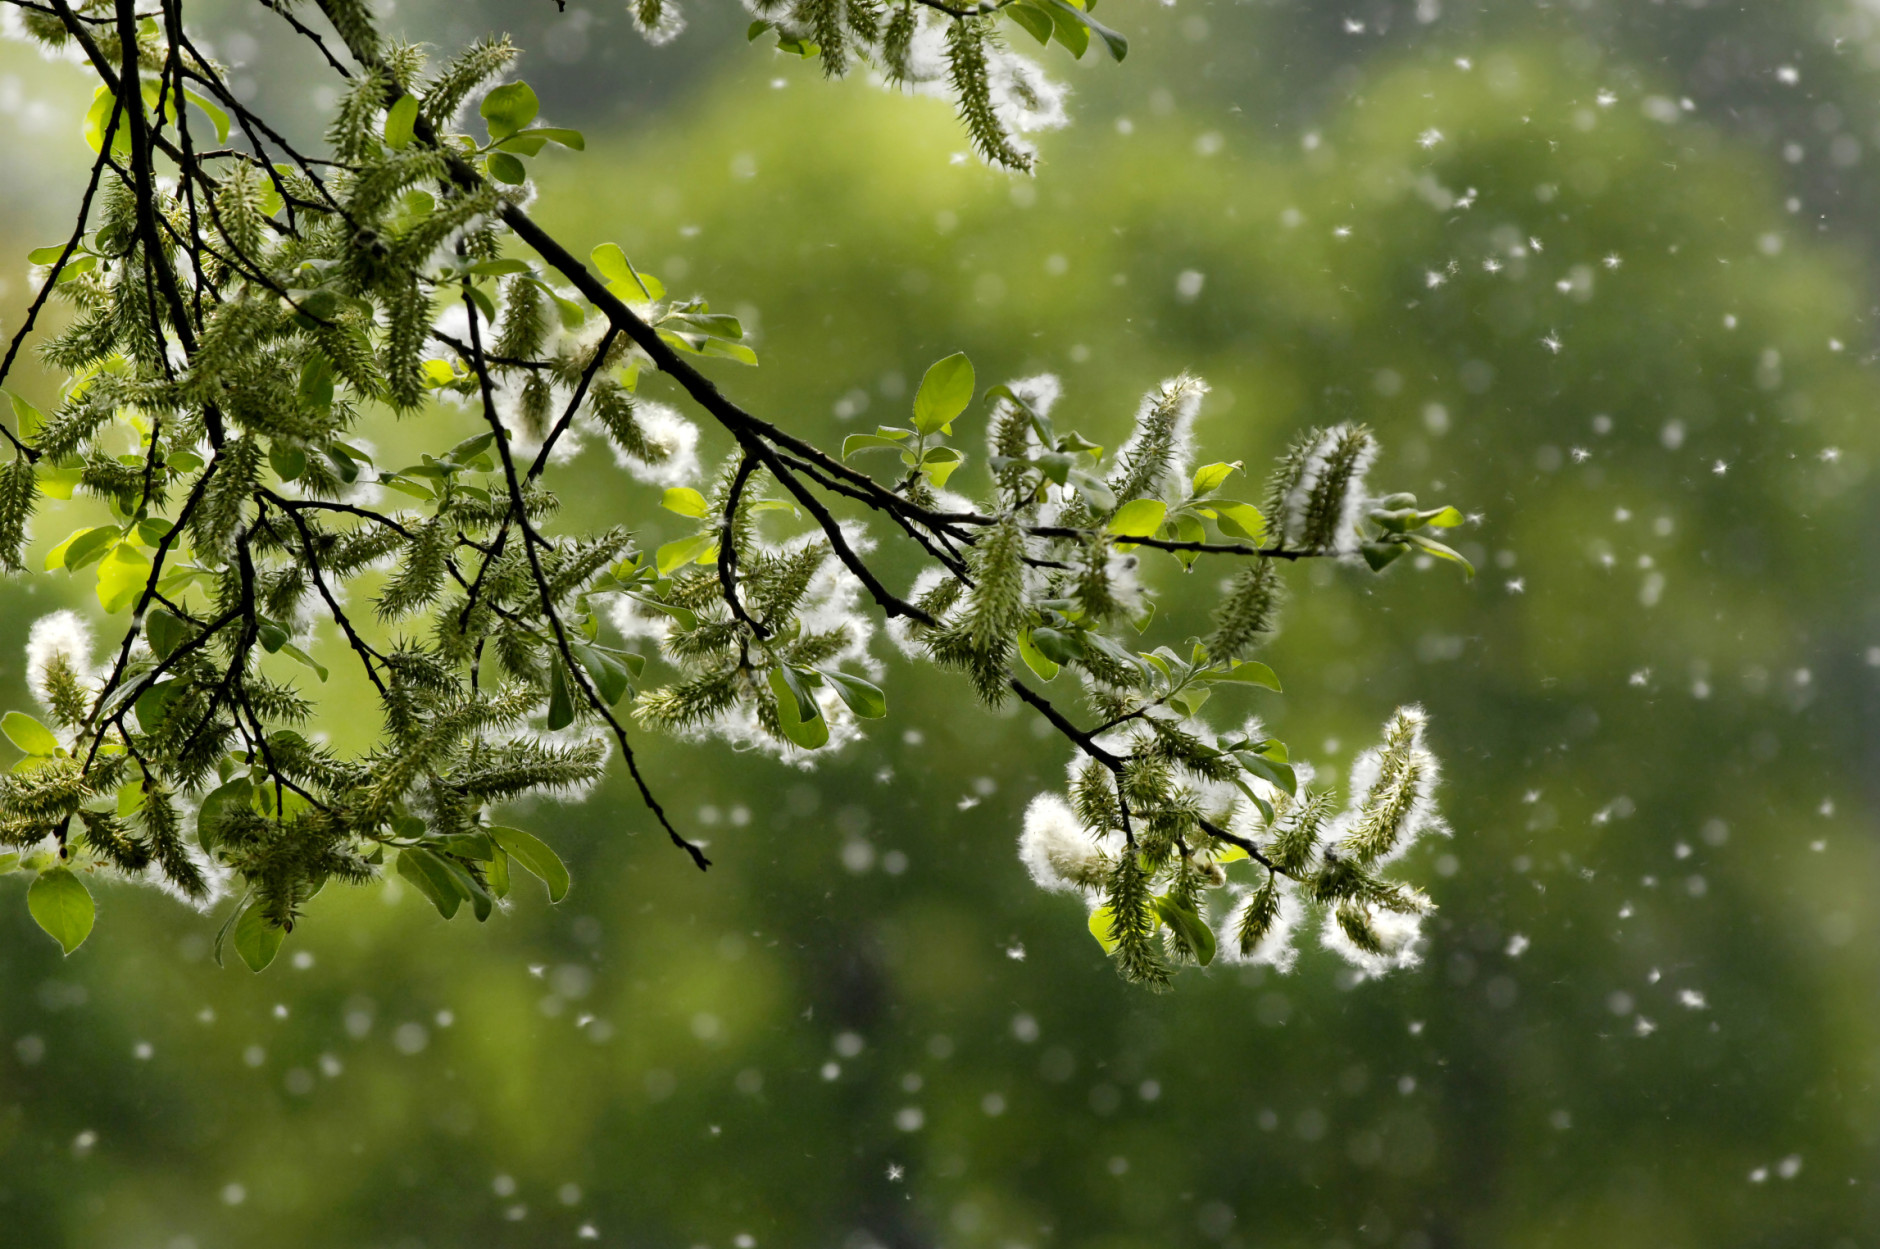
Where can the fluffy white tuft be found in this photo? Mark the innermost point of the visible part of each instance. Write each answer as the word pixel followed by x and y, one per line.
pixel 1278 949
pixel 1401 936
pixel 60 637
pixel 1055 848
pixel 664 428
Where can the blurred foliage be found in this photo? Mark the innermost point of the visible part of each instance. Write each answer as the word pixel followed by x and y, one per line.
pixel 1647 1015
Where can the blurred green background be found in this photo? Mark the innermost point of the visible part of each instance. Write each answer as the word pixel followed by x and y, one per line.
pixel 1602 274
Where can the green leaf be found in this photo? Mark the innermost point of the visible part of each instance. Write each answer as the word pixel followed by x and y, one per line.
pixel 1209 476
pixel 305 660
pixel 1117 45
pixel 1187 924
pixel 867 442
pixel 534 854
pixel 496 875
pixel 1442 552
pixel 1103 928
pixel 271 635
pixel 560 705
pixel 1056 645
pixel 216 116
pixel 400 119
pixel 122 577
pixel 98 117
pixel 685 501
pixel 1443 518
pixel 60 904
pixel 1138 518
pixel 1239 520
pixel 1381 555
pixel 1035 23
pixel 258 940
pixel 427 872
pixel 1034 658
pixel 619 271
pixel 557 134
pixel 26 418
pixel 83 546
pixel 1251 672
pixel 9 863
pixel 1093 488
pixel 940 463
pixel 509 108
pixel 220 803
pixel 797 713
pixel 1278 774
pixel 676 555
pixel 607 670
pixel 29 734
pixel 316 380
pixel 165 632
pixel 864 699
pixel 288 463
pixel 507 170
pixel 944 393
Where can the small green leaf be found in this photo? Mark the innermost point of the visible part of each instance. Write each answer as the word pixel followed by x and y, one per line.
pixel 216 116
pixel 1443 518
pixel 940 463
pixel 26 418
pixel 607 670
pixel 507 170
pixel 84 546
pixel 60 904
pixel 258 940
pixel 619 271
pixel 534 854
pixel 400 119
pixel 573 139
pixel 165 632
pixel 1103 928
pixel 1117 45
pixel 1138 518
pixel 867 442
pixel 496 875
pixel 1251 672
pixel 864 699
pixel 1056 645
pixel 29 734
pixel 1442 552
pixel 271 635
pixel 685 501
pixel 427 872
pixel 1209 476
pixel 1381 555
pixel 944 393
pixel 1239 520
pixel 1034 658
pixel 304 659
pixel 797 713
pixel 560 705
pixel 1188 926
pixel 122 577
pixel 676 555
pixel 219 805
pixel 509 108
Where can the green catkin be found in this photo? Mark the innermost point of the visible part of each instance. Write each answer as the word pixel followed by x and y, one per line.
pixel 968 45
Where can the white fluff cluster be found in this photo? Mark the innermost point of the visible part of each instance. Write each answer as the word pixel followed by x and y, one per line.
pixel 215 876
pixel 60 637
pixel 666 26
pixel 1401 936
pixel 1277 949
pixel 1057 850
pixel 1185 394
pixel 1421 818
pixel 1351 508
pixel 666 429
pixel 1025 100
